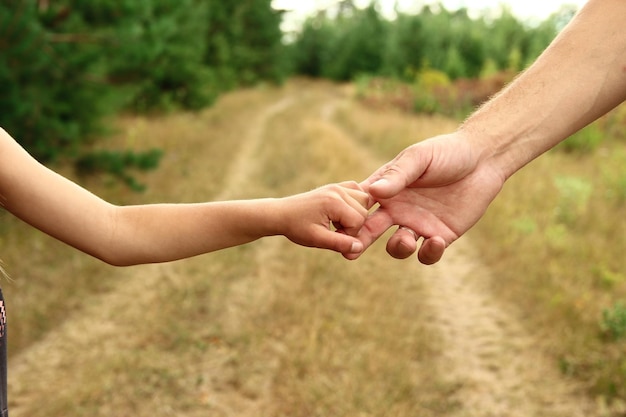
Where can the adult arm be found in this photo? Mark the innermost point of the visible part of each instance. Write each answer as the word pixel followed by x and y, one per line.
pixel 441 187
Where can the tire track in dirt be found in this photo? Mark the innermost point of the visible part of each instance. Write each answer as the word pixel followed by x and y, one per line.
pixel 242 167
pixel 252 294
pixel 488 356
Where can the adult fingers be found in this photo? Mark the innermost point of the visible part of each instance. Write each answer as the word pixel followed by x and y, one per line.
pixel 375 225
pixel 403 243
pixel 432 250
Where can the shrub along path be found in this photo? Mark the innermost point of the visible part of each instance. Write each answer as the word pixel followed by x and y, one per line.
pixel 271 329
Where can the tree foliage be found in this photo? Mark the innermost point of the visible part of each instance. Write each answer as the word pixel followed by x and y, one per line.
pixel 53 92
pixel 66 65
pixel 344 44
pixel 244 42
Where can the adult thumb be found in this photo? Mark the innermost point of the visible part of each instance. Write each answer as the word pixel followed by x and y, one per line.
pixel 397 174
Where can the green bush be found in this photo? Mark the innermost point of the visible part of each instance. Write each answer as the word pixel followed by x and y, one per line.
pixel 67 65
pixel 244 42
pixel 118 164
pixel 53 90
pixel 613 321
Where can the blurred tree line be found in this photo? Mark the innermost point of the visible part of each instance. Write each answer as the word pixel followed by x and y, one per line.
pixel 67 64
pixel 344 42
pixel 433 61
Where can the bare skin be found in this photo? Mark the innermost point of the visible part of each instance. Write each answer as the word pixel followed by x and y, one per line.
pixel 128 235
pixel 441 187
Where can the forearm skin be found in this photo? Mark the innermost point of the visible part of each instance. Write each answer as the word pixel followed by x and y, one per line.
pixel 579 77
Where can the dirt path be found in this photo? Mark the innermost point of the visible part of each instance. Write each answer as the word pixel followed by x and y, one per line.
pixel 487 355
pixel 97 332
pixel 488 352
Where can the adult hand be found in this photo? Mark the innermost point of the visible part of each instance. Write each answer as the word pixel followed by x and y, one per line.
pixel 436 190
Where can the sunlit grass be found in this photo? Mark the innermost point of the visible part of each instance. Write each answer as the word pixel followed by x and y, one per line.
pixel 278 330
pixel 263 329
pixel 556 239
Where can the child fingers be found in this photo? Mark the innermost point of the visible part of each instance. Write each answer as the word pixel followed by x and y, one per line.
pixel 339 242
pixel 349 219
pixel 353 185
pixel 357 193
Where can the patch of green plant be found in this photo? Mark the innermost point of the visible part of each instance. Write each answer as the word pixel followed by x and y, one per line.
pixel 613 321
pixel 575 194
pixel 584 141
pixel 118 164
pixel 608 278
pixel 524 225
pixel 426 103
pixel 362 82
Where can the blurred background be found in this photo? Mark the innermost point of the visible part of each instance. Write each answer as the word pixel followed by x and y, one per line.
pixel 67 65
pixel 193 100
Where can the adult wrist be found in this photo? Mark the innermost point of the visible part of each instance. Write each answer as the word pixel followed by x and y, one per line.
pixel 490 151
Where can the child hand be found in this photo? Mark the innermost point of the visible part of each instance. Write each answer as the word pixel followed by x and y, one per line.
pixel 329 217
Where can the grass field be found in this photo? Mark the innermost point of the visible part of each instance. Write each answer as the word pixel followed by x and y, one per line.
pixel 271 329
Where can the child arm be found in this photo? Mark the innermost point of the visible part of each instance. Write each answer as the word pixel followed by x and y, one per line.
pixel 127 235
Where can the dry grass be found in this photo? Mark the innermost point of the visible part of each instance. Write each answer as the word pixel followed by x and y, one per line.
pixel 271 329
pixel 559 256
pixel 51 280
pixel 264 329
pixel 555 240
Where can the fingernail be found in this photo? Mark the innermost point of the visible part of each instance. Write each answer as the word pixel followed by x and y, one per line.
pixel 357 247
pixel 380 181
pixel 411 231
